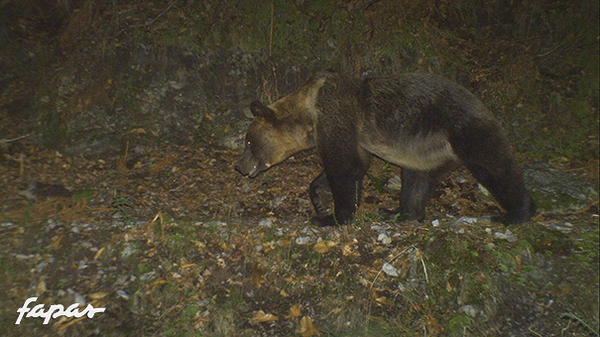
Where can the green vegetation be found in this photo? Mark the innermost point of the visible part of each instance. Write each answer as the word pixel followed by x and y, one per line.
pixel 120 204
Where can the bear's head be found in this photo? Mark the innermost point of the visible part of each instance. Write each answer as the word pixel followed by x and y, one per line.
pixel 277 132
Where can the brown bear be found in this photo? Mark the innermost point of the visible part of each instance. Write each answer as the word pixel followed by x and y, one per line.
pixel 424 123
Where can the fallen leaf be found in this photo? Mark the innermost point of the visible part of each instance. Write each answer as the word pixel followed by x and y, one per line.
pixel 98 295
pixel 41 287
pixel 159 282
pixel 378 249
pixel 383 300
pixel 349 250
pixel 261 316
pixel 449 287
pixel 160 165
pixel 307 328
pixel 257 276
pixel 321 247
pixel 519 263
pixel 295 311
pixel 187 265
pixel 56 243
pixel 99 253
pixel 60 326
pixel 200 245
pixel 138 131
pixel 152 251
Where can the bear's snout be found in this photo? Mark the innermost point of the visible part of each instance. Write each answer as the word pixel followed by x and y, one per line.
pixel 247 168
pixel 243 169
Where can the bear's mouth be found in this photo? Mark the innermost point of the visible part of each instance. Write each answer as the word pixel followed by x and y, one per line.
pixel 250 170
pixel 251 167
pixel 257 169
pixel 254 171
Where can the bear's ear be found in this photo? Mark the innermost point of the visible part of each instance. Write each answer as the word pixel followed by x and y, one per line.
pixel 260 110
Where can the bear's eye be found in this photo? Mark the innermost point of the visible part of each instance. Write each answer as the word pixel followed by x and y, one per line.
pixel 248 143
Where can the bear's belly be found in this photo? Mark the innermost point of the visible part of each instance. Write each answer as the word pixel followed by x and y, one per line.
pixel 421 153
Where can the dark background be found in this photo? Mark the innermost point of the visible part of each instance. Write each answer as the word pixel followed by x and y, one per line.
pixel 85 77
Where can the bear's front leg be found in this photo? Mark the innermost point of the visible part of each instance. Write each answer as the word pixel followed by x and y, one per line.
pixel 327 221
pixel 347 193
pixel 344 161
pixel 320 196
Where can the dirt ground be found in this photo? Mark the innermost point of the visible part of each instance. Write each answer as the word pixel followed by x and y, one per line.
pixel 173 242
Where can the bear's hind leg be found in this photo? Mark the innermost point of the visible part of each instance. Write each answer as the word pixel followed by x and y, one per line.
pixel 505 183
pixel 417 189
pixel 484 150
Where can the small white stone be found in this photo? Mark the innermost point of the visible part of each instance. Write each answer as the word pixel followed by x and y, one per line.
pixel 389 269
pixel 470 310
pixel 265 223
pixel 508 236
pixel 302 240
pixel 384 238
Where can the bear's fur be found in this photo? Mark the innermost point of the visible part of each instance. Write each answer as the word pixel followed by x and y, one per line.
pixel 421 122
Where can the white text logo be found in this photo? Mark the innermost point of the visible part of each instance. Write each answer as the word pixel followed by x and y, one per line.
pixel 55 310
